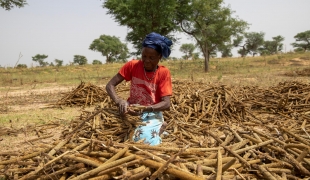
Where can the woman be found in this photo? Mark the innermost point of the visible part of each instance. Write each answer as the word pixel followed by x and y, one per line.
pixel 150 87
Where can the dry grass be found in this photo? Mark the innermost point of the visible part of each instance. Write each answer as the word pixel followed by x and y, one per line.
pixel 22 109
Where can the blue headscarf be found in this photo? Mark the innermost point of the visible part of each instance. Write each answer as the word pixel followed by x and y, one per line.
pixel 158 42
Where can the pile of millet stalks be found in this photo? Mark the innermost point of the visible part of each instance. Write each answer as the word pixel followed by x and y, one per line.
pixel 214 131
pixel 303 72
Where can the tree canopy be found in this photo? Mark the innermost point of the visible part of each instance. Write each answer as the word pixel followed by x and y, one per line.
pixel 110 47
pixel 225 49
pixel 58 62
pixel 80 60
pixel 96 62
pixel 40 59
pixel 249 43
pixel 144 17
pixel 272 47
pixel 208 22
pixel 187 49
pixel 211 24
pixel 20 66
pixel 9 4
pixel 302 41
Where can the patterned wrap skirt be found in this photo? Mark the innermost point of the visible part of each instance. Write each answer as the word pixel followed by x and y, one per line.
pixel 149 131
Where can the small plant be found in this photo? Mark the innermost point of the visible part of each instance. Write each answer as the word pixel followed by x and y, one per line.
pixel 220 76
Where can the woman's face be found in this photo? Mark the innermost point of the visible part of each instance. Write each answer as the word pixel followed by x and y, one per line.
pixel 150 58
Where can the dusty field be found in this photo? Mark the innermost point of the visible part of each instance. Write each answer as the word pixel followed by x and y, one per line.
pixel 23 108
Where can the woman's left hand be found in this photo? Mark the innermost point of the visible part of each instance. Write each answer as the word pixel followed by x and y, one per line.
pixel 135 110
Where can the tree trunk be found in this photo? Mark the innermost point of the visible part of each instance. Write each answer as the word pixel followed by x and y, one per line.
pixel 107 60
pixel 206 56
pixel 205 51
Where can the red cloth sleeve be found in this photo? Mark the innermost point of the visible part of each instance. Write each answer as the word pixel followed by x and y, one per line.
pixel 126 70
pixel 165 84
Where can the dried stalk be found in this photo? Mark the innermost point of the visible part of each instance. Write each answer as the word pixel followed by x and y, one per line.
pixel 103 167
pixel 219 166
pixel 237 156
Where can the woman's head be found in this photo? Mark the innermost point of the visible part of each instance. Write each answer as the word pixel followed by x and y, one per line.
pixel 150 58
pixel 155 46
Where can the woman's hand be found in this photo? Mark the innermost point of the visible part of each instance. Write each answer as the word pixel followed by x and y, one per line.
pixel 135 110
pixel 122 107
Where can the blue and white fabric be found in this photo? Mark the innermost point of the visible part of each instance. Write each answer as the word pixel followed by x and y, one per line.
pixel 149 131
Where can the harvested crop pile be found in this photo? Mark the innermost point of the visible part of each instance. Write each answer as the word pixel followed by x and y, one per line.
pixel 84 94
pixel 213 132
pixel 304 72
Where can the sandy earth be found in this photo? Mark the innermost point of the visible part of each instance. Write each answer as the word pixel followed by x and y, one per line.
pixel 23 99
pixel 21 102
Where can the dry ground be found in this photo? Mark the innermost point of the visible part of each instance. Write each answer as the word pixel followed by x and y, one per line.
pixel 22 108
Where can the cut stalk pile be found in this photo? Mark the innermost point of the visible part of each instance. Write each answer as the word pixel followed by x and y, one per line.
pixel 85 94
pixel 213 132
pixel 304 72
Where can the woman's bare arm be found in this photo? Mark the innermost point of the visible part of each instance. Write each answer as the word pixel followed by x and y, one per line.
pixel 110 87
pixel 163 105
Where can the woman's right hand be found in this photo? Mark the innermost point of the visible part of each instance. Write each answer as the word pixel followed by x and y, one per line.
pixel 122 107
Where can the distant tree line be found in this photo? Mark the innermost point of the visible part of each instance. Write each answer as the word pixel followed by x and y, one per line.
pixel 249 43
pixel 253 43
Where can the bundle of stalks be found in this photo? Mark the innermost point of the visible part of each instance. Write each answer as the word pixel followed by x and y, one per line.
pixel 304 72
pixel 213 132
pixel 84 94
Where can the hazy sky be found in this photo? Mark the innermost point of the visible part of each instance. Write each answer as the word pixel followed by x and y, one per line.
pixel 62 29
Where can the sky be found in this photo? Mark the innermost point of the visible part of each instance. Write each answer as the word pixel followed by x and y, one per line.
pixel 62 29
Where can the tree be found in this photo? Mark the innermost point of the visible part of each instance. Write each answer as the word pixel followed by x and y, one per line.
pixel 302 41
pixel 251 44
pixel 187 49
pixel 96 62
pixel 110 47
pixel 79 59
pixel 207 22
pixel 40 59
pixel 9 4
pixel 225 50
pixel 172 58
pixel 272 47
pixel 278 47
pixel 299 50
pixel 144 17
pixel 210 24
pixel 58 62
pixel 195 56
pixel 20 66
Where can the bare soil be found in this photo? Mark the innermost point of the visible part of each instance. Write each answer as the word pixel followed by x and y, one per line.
pixel 22 109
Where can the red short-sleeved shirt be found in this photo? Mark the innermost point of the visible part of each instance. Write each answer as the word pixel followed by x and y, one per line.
pixel 143 91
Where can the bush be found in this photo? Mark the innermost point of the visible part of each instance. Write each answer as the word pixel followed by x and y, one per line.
pixel 96 62
pixel 19 66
